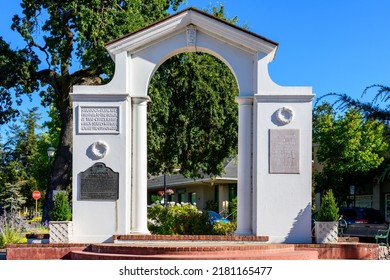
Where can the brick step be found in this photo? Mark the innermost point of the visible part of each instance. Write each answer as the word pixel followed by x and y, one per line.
pixel 177 248
pixel 180 238
pixel 296 255
pixel 193 252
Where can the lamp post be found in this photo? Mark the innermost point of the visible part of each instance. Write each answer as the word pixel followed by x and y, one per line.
pixel 50 153
pixel 352 190
pixel 165 189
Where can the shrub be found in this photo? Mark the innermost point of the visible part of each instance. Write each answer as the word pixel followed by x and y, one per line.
pixel 12 229
pixel 37 227
pixel 37 219
pixel 9 235
pixel 224 228
pixel 61 209
pixel 212 205
pixel 177 219
pixel 329 210
pixel 184 219
pixel 233 209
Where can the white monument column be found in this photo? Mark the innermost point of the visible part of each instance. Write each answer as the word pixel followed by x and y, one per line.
pixel 244 184
pixel 139 179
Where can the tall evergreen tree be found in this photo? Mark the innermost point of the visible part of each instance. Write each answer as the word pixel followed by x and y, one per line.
pixel 11 198
pixel 21 164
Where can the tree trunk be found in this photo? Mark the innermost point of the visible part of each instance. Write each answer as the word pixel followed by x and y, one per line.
pixel 60 177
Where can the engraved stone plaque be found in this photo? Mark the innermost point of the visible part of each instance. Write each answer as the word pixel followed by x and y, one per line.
pixel 99 182
pixel 98 120
pixel 284 151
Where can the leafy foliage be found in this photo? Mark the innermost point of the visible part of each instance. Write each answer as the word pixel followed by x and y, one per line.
pixel 12 228
pixel 329 210
pixel 11 198
pixel 224 228
pixel 24 158
pixel 193 121
pixel 371 110
pixel 64 46
pixel 61 209
pixel 175 219
pixel 184 219
pixel 349 147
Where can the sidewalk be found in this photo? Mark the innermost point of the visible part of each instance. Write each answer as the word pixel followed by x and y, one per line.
pixel 384 253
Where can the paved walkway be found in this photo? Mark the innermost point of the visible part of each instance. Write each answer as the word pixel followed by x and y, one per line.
pixel 384 253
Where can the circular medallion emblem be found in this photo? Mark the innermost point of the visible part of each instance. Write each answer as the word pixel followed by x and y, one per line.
pixel 284 115
pixel 99 149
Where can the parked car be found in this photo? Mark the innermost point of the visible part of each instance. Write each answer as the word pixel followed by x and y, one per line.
pixel 358 221
pixel 363 222
pixel 214 217
pixel 361 215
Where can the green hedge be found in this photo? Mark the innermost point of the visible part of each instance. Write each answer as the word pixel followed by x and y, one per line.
pixel 184 219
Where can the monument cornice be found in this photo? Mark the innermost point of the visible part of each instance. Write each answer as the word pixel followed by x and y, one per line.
pixel 284 98
pixel 208 24
pixel 96 97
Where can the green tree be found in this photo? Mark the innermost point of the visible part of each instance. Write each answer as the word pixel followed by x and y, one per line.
pixel 22 161
pixel 59 36
pixel 192 122
pixel 350 147
pixel 377 109
pixel 11 198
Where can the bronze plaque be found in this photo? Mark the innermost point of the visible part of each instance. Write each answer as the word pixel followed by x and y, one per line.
pixel 100 183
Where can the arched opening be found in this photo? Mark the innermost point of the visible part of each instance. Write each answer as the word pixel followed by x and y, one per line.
pixel 261 193
pixel 192 125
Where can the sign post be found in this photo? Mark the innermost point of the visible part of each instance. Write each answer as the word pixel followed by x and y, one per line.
pixel 36 195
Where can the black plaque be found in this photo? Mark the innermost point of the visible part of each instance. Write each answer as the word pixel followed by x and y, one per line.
pixel 100 183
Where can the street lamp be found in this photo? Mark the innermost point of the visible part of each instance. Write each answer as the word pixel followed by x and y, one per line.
pixel 165 189
pixel 352 190
pixel 50 153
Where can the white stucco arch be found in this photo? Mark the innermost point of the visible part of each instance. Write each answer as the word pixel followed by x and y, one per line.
pixel 198 49
pixel 149 59
pixel 274 190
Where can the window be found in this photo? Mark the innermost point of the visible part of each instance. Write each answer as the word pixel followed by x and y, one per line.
pixel 181 195
pixel 192 197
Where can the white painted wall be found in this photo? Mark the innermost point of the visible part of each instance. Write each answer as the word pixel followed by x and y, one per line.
pixel 95 220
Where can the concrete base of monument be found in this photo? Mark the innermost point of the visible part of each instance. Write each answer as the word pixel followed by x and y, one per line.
pixel 92 239
pixel 197 247
pixel 192 249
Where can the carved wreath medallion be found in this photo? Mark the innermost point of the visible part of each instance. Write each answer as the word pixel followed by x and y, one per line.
pixel 284 115
pixel 99 149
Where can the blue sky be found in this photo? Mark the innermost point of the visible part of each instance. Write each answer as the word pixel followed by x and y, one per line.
pixel 331 45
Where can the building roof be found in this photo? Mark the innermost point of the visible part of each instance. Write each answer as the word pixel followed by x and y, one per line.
pixel 176 180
